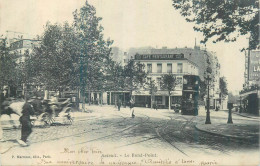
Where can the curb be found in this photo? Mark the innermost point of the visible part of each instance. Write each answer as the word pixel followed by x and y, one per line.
pixel 222 135
pixel 257 118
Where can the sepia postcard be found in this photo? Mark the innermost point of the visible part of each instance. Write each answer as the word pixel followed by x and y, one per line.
pixel 129 82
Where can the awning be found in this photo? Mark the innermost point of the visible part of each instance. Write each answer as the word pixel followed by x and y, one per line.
pixel 248 93
pixel 158 93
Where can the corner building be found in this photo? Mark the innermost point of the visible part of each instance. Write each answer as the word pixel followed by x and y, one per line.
pixel 158 65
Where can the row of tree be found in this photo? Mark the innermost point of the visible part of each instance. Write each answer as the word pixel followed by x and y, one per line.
pixel 70 56
pixel 76 56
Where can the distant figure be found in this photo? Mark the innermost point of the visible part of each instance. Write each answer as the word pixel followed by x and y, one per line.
pixel 26 123
pixel 1 108
pixel 119 104
pixel 132 107
pixel 156 106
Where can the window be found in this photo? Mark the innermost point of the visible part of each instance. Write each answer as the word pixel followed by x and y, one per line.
pixel 158 99
pixel 179 68
pixel 179 83
pixel 159 68
pixel 169 68
pixel 185 81
pixel 159 82
pixel 179 80
pixel 149 68
pixel 140 67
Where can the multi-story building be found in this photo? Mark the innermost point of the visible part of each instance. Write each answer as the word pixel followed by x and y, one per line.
pixel 157 65
pixel 250 95
pixel 23 48
pixel 178 61
pixel 119 56
pixel 197 58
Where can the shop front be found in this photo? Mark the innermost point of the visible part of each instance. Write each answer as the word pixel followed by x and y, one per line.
pixel 160 99
pixel 250 102
pixel 113 97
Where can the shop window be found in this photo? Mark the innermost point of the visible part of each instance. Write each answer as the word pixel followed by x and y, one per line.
pixel 158 99
pixel 176 100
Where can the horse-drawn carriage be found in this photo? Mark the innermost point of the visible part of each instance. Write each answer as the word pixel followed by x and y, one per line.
pixel 50 113
pixel 47 112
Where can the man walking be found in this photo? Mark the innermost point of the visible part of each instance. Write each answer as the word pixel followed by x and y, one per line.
pixel 26 123
pixel 132 107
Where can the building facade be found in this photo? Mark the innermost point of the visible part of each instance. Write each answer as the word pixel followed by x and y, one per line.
pixel 250 95
pixel 158 62
pixel 157 65
pixel 22 48
pixel 195 58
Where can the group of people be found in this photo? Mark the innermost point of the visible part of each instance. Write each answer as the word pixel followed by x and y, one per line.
pixel 26 126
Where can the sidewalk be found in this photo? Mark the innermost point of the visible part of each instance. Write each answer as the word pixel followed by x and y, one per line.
pixel 242 129
pixel 236 131
pixel 247 115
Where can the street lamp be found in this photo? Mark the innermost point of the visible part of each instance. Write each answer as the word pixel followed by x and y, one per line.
pixel 208 113
pixel 240 105
pixel 209 71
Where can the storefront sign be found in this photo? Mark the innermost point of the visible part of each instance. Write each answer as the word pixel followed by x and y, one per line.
pixel 159 56
pixel 254 66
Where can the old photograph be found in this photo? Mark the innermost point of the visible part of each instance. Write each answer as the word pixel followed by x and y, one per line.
pixel 129 82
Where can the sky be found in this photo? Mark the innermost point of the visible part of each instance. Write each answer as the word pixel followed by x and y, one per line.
pixel 130 23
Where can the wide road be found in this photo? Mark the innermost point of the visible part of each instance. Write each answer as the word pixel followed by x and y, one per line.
pixel 162 134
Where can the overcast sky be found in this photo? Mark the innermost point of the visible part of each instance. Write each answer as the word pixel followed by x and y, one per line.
pixel 130 23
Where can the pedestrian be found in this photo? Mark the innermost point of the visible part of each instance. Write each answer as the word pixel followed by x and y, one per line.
pixel 119 105
pixel 132 107
pixel 25 121
pixel 1 109
pixel 155 106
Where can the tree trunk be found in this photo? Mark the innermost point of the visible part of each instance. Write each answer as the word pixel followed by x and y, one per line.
pixel 151 101
pixel 169 101
pixel 83 104
pixel 89 98
pixel 101 98
pixel 59 92
pixel 78 98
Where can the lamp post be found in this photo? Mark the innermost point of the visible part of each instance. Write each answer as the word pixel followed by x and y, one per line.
pixel 209 71
pixel 208 113
pixel 240 105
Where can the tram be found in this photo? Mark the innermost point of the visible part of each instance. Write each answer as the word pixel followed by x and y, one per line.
pixel 190 95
